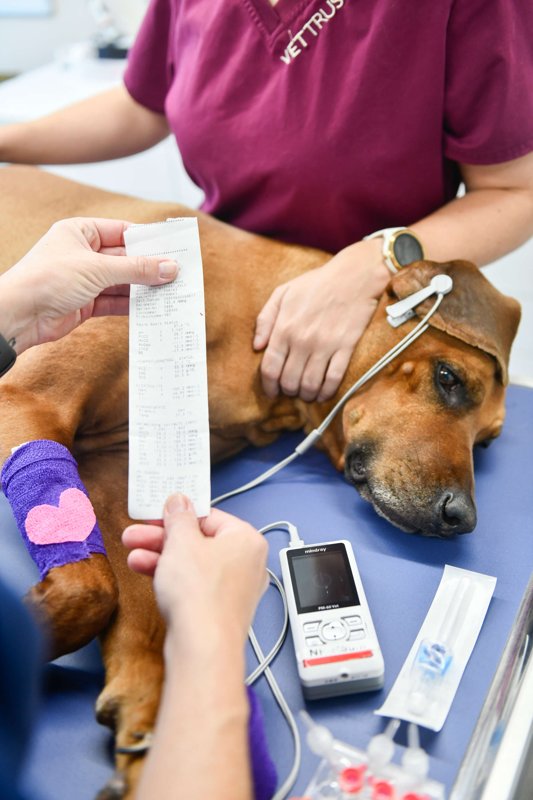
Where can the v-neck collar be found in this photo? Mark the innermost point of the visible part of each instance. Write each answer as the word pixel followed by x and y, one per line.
pixel 271 18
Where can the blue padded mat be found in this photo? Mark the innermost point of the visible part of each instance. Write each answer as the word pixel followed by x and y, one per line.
pixel 71 754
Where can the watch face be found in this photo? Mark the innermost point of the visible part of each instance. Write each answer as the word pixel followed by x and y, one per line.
pixel 407 249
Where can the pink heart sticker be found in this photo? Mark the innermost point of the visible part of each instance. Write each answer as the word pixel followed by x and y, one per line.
pixel 71 521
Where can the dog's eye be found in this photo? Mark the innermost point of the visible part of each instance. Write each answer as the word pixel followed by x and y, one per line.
pixel 451 387
pixel 448 379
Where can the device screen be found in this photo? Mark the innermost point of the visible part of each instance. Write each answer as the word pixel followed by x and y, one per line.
pixel 322 578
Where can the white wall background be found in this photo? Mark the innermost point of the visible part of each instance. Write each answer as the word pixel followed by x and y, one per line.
pixel 29 42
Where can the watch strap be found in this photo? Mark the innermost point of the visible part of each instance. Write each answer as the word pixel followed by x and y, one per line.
pixel 7 356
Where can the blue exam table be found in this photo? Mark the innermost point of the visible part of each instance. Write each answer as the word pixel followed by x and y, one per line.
pixel 71 755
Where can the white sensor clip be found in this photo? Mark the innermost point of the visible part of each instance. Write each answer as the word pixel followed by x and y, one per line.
pixel 400 312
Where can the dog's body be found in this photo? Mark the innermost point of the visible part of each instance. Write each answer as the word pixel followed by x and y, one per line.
pixel 405 440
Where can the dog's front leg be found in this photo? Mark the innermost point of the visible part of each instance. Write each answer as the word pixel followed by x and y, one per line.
pixel 77 593
pixel 56 402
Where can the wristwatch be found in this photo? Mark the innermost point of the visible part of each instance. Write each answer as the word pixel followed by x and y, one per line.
pixel 400 247
pixel 7 356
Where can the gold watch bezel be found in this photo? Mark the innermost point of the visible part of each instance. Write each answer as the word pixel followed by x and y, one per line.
pixel 388 247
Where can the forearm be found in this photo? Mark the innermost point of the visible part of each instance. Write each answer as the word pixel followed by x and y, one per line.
pixel 200 746
pixel 108 125
pixel 483 225
pixel 15 315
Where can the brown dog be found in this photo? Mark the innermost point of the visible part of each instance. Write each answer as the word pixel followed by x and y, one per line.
pixel 405 440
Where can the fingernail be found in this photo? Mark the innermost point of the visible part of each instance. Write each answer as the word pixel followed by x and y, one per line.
pixel 177 502
pixel 168 269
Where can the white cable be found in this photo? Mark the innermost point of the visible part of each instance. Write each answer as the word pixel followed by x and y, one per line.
pixel 294 542
pixel 256 481
pixel 294 537
pixel 266 660
pixel 315 434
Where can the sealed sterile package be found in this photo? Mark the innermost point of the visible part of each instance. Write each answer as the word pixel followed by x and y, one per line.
pixel 426 685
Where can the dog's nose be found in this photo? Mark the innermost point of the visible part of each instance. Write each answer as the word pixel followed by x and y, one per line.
pixel 457 512
pixel 355 465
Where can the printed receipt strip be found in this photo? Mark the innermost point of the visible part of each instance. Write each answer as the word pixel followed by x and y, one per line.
pixel 168 408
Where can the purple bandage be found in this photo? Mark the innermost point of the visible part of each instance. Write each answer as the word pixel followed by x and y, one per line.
pixel 51 505
pixel 263 770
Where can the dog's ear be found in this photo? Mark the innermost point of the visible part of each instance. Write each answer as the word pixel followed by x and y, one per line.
pixel 474 311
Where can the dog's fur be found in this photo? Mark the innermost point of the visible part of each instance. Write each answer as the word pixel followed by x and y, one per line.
pixel 405 440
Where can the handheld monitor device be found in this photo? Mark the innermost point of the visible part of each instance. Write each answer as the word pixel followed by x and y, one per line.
pixel 336 646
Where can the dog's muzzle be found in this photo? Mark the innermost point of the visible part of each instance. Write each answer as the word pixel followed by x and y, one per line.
pixel 444 512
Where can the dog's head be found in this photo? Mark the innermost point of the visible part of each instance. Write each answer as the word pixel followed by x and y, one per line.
pixel 409 433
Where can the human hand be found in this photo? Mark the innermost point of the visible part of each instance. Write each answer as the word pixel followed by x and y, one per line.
pixel 215 565
pixel 77 270
pixel 311 324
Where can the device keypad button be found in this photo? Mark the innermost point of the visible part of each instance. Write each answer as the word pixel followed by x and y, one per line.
pixel 311 627
pixel 357 634
pixel 353 622
pixel 334 630
pixel 314 641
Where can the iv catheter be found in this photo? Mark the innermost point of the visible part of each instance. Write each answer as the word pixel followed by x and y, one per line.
pixel 435 655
